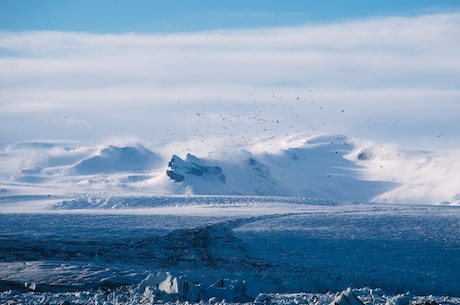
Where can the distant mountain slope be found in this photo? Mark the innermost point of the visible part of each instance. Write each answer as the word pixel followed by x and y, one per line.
pixel 113 159
pixel 224 177
pixel 330 167
pixel 314 166
pixel 318 166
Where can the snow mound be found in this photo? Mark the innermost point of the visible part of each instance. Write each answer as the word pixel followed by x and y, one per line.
pixel 317 166
pixel 113 159
pixel 330 167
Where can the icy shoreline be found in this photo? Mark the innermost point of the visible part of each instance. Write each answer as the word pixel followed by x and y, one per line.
pixel 163 288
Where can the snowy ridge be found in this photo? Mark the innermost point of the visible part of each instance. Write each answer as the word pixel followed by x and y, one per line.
pixel 330 167
pixel 114 159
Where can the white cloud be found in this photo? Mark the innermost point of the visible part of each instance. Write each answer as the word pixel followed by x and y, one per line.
pixel 400 69
pixel 69 122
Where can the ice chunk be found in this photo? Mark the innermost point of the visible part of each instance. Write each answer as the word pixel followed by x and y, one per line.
pixel 347 297
pixel 400 299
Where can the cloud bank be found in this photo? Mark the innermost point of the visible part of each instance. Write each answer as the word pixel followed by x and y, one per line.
pixel 389 78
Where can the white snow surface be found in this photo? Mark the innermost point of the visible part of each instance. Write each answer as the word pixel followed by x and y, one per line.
pixel 304 219
pixel 230 249
pixel 333 167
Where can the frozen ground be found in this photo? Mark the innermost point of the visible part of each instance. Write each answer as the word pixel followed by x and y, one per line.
pixel 201 248
pixel 284 220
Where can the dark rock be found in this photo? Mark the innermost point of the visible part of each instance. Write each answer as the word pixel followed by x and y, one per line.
pixel 179 169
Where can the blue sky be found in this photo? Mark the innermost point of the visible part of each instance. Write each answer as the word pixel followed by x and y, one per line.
pixel 88 70
pixel 114 16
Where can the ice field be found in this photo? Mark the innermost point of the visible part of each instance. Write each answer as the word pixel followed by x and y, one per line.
pixel 231 249
pixel 282 220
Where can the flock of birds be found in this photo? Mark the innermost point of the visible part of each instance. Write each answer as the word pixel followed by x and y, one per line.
pixel 260 118
pixel 236 125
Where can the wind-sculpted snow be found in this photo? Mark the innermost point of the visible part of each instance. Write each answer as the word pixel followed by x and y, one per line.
pixel 114 159
pixel 330 167
pixel 314 167
pixel 118 226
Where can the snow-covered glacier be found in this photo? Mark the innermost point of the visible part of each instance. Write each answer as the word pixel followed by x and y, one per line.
pixel 202 248
pixel 305 219
pixel 333 167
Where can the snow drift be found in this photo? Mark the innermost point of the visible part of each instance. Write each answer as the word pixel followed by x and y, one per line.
pixel 113 159
pixel 332 167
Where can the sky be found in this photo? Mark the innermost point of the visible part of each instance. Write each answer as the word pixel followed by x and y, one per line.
pixel 88 70
pixel 117 16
